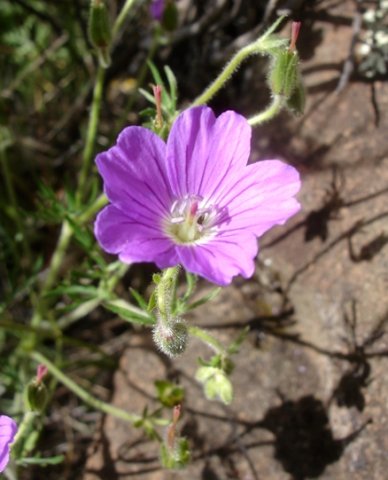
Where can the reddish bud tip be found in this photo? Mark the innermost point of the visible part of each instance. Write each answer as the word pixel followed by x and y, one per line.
pixel 176 413
pixel 41 372
pixel 295 28
pixel 157 89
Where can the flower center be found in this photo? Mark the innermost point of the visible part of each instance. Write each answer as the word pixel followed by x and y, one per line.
pixel 192 221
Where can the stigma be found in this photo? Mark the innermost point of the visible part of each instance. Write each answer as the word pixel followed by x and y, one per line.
pixel 192 221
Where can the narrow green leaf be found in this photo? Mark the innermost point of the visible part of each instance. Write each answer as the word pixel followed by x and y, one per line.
pixel 41 461
pixel 212 294
pixel 131 314
pixel 139 299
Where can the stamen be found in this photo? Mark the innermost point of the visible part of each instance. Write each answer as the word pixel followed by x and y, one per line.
pixel 192 221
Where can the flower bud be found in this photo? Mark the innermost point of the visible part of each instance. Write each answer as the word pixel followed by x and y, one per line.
pixel 215 383
pixel 171 338
pixel 284 73
pixel 100 31
pixel 36 395
pixel 284 76
pixel 170 16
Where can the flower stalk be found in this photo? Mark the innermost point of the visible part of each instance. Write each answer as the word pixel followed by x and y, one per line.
pixel 91 134
pixel 263 45
pixel 170 332
pixel 83 394
pixel 277 104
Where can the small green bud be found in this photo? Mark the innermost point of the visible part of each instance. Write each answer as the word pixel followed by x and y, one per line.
pixel 99 30
pixel 170 16
pixel 171 338
pixel 36 395
pixel 284 73
pixel 216 384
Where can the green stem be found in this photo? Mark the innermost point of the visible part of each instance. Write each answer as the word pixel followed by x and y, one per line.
pixel 122 17
pixel 13 203
pixel 205 337
pixel 57 258
pixel 91 134
pixel 96 206
pixel 226 73
pixel 164 293
pixel 271 111
pixel 261 45
pixel 83 394
pixel 23 430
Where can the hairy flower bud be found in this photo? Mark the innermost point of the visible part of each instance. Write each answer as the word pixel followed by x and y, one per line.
pixel 171 338
pixel 284 77
pixel 284 73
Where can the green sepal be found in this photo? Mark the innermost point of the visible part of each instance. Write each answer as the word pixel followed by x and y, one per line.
pixel 36 396
pixel 177 457
pixel 99 29
pixel 215 383
pixel 296 102
pixel 284 74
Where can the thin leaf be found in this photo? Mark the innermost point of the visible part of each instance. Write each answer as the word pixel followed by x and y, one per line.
pixel 131 314
pixel 212 294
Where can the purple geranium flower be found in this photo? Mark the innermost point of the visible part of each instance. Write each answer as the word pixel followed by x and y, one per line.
pixel 194 201
pixel 8 429
pixel 157 9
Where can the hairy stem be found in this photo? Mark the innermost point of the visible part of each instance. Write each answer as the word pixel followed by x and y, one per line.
pixel 270 112
pixel 207 338
pixel 83 394
pixel 262 45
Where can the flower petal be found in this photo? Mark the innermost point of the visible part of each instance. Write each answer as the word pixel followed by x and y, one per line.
pixel 222 258
pixel 8 429
pixel 118 233
pixel 261 197
pixel 203 150
pixel 134 173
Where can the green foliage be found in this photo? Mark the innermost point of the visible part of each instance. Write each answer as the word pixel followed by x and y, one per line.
pixel 42 462
pixel 169 100
pixel 169 394
pixel 216 384
pixel 129 313
pixel 149 421
pixel 177 457
pixel 55 282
